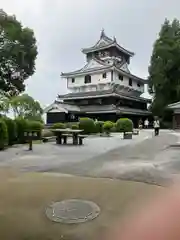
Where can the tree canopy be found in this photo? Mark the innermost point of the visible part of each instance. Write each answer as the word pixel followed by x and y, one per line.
pixel 26 107
pixel 164 70
pixel 18 53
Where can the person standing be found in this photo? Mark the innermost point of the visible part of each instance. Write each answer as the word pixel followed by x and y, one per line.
pixel 156 126
pixel 146 123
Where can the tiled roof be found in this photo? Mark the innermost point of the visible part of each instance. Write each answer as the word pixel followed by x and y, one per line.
pixel 121 92
pixel 100 65
pixel 94 65
pixel 174 105
pixel 92 108
pixel 61 107
pixel 104 43
pixel 100 108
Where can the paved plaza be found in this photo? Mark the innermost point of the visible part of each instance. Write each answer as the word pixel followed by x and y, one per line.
pixel 90 172
pixel 144 158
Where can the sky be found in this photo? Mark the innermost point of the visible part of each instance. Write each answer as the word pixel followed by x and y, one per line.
pixel 63 27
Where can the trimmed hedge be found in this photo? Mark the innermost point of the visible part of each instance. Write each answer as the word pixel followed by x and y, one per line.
pixel 124 125
pixel 12 130
pixel 69 124
pixel 3 134
pixel 87 125
pixel 107 126
pixel 99 126
pixel 75 126
pixel 35 126
pixel 22 126
pixel 114 128
pixel 58 126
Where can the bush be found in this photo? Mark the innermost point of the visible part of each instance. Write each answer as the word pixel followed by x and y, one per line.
pixel 69 124
pixel 58 126
pixel 22 126
pixel 114 128
pixel 75 126
pixel 35 126
pixel 99 126
pixel 3 134
pixel 12 130
pixel 124 125
pixel 108 126
pixel 88 125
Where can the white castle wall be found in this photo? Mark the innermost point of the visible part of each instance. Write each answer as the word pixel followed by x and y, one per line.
pixel 100 83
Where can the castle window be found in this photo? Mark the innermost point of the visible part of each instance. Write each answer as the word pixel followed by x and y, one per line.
pixel 104 75
pixel 73 80
pixel 120 77
pixel 87 79
pixel 130 81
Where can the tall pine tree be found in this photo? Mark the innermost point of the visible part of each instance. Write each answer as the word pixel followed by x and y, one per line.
pixel 164 70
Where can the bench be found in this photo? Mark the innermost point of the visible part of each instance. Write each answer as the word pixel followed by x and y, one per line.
pixel 81 137
pixel 65 136
pixel 135 132
pixel 46 139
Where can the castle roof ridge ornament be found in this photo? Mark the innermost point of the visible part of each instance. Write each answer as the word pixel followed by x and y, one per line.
pixel 102 33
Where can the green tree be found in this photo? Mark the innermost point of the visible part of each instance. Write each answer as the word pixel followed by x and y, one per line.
pixel 26 107
pixel 164 70
pixel 18 52
pixel 4 102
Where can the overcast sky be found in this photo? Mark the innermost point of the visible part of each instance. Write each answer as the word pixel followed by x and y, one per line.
pixel 63 27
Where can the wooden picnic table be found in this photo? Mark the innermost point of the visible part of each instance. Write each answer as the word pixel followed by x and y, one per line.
pixel 65 133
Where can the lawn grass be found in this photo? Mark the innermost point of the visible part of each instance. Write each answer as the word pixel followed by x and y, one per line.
pixel 24 197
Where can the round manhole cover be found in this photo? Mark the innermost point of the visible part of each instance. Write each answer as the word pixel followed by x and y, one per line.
pixel 72 211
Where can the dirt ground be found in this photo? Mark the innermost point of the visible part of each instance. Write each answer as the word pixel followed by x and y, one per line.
pixel 25 196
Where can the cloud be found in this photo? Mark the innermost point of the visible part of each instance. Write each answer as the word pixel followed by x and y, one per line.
pixel 63 27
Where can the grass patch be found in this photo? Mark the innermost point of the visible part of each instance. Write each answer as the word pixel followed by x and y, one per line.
pixel 24 198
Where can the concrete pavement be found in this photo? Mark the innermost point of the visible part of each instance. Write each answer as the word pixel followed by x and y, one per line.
pixel 145 158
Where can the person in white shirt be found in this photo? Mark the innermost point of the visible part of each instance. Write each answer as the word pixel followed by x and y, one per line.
pixel 146 123
pixel 156 125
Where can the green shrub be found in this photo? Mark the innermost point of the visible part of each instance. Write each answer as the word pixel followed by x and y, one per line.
pixel 3 134
pixel 58 126
pixel 75 126
pixel 35 126
pixel 69 124
pixel 124 125
pixel 114 128
pixel 12 130
pixel 88 125
pixel 22 126
pixel 99 126
pixel 107 126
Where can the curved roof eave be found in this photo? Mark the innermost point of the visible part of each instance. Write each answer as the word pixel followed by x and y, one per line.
pixel 79 73
pixel 131 75
pixel 113 44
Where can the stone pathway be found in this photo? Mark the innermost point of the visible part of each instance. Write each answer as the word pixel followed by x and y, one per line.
pixel 49 156
pixel 145 158
pixel 146 161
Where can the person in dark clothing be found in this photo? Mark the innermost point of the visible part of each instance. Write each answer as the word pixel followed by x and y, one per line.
pixel 156 125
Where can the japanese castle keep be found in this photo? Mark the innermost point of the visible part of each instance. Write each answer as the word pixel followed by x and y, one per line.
pixel 104 89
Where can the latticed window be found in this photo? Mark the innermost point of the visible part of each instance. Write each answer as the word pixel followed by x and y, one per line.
pixel 87 79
